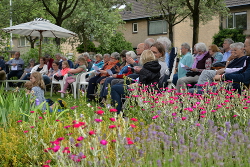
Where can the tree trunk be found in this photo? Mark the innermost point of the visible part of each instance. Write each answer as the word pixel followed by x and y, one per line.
pixel 196 24
pixel 171 34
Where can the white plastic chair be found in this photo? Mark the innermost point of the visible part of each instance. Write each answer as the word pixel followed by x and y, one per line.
pixel 60 82
pixel 75 85
pixel 83 82
pixel 170 80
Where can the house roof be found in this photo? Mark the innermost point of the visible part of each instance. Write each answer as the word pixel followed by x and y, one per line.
pixel 137 11
pixel 237 3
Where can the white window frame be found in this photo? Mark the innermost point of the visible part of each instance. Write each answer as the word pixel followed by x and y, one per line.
pixel 163 32
pixel 26 42
pixel 233 16
pixel 135 30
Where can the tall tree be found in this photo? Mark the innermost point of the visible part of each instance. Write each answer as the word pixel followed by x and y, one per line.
pixel 203 11
pixel 173 11
pixel 96 21
pixel 60 10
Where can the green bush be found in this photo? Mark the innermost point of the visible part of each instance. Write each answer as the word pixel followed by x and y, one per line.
pixel 117 43
pixel 90 47
pixel 235 34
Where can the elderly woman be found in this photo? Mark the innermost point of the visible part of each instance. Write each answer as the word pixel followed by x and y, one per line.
pixel 89 61
pixel 99 63
pixel 167 45
pixel 27 70
pixel 203 61
pixel 214 51
pixel 103 73
pixel 125 71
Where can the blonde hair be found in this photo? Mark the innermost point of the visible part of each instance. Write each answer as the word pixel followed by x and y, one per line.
pixel 81 59
pixel 66 63
pixel 147 56
pixel 28 85
pixel 38 80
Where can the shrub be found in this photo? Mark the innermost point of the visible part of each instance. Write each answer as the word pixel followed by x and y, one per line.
pixel 235 34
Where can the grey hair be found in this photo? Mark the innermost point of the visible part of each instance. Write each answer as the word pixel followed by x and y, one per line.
pixel 186 45
pixel 47 56
pixel 86 54
pixel 58 54
pixel 229 40
pixel 106 54
pixel 238 45
pixel 149 42
pixel 131 54
pixel 64 57
pixel 116 55
pixel 99 55
pixel 201 47
pixel 165 42
pixel 32 60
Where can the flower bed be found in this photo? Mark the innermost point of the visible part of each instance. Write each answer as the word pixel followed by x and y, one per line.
pixel 160 129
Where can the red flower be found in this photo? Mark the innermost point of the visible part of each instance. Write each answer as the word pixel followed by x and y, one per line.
pixel 183 118
pixel 235 115
pixel 112 119
pixel 100 112
pixel 112 126
pixel 48 161
pixel 77 125
pixel 19 121
pixel 91 132
pixel 113 110
pixel 80 138
pixel 26 131
pixel 104 142
pixel 130 142
pixel 56 148
pixel 32 111
pixel 133 119
pixel 113 141
pixel 132 125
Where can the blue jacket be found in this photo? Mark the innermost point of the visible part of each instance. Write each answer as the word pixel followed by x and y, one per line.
pixel 100 65
pixel 242 75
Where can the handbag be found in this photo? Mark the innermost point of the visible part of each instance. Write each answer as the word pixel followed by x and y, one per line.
pixel 192 73
pixel 220 64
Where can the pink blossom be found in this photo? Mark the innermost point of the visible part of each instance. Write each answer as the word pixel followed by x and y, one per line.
pixel 66 127
pixel 132 125
pixel 57 120
pixel 91 132
pixel 40 117
pixel 77 125
pixel 183 118
pixel 98 120
pixel 32 126
pixel 112 119
pixel 60 139
pixel 203 116
pixel 112 126
pixel 133 119
pixel 113 141
pixel 72 108
pixel 113 110
pixel 56 148
pixel 156 116
pixel 213 110
pixel 80 138
pixel 235 115
pixel 203 112
pixel 100 112
pixel 48 161
pixel 174 114
pixel 19 121
pixel 26 131
pixel 32 111
pixel 104 142
pixel 245 107
pixel 198 124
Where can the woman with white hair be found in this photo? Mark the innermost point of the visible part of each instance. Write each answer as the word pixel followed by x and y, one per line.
pixel 203 61
pixel 125 71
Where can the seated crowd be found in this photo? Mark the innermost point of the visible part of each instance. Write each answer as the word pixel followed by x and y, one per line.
pixel 149 66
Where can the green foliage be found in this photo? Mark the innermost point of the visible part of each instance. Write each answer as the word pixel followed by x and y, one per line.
pixel 50 49
pixel 235 34
pixel 116 43
pixel 90 47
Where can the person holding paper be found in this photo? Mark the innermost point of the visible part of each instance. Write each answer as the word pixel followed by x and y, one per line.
pixel 98 63
pixel 93 82
pixel 16 67
pixel 186 61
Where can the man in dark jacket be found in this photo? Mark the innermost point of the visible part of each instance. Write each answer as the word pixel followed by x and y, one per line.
pixel 2 68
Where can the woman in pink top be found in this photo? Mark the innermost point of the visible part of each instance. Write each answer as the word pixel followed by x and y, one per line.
pixel 64 70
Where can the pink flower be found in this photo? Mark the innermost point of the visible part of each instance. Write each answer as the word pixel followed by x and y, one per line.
pixel 132 125
pixel 198 124
pixel 80 138
pixel 183 118
pixel 60 139
pixel 66 127
pixel 56 148
pixel 77 125
pixel 189 85
pixel 203 116
pixel 112 119
pixel 19 121
pixel 130 142
pixel 26 131
pixel 100 112
pixel 112 126
pixel 48 161
pixel 104 142
pixel 235 115
pixel 156 116
pixel 113 110
pixel 32 111
pixel 213 110
pixel 91 132
pixel 73 107
pixel 113 141
pixel 174 114
pixel 32 126
pixel 57 120
pixel 245 107
pixel 98 120
pixel 133 119
pixel 40 117
pixel 203 112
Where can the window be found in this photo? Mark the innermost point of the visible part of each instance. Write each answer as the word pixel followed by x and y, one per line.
pixel 157 27
pixel 237 20
pixel 135 27
pixel 23 42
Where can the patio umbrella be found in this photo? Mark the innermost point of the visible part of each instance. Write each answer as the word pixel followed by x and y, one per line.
pixel 40 28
